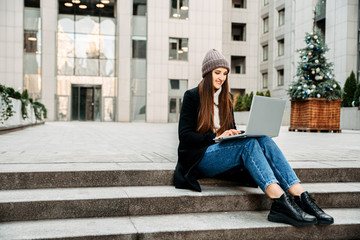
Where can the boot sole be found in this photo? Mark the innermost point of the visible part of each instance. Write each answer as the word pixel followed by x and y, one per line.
pixel 323 223
pixel 282 218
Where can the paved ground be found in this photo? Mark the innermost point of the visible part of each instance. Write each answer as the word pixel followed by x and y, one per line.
pixel 93 142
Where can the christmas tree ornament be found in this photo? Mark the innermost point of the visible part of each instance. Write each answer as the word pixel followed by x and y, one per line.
pixel 308 38
pixel 306 67
pixel 299 52
pixel 302 78
pixel 316 61
pixel 290 87
pixel 309 53
pixel 320 77
pixel 305 85
pixel 334 86
pixel 318 95
pixel 317 78
pixel 317 49
pixel 317 70
pixel 307 42
pixel 315 37
pixel 304 57
pixel 312 33
pixel 318 42
pixel 311 46
pixel 299 87
pixel 313 86
pixel 313 72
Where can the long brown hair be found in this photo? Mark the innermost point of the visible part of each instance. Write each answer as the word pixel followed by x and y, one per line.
pixel 206 111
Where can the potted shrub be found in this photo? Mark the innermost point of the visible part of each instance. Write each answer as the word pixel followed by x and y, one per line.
pixel 315 94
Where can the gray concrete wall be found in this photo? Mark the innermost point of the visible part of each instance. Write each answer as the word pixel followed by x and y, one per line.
pixel 350 118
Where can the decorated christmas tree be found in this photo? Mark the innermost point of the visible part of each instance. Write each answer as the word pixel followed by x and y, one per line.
pixel 314 77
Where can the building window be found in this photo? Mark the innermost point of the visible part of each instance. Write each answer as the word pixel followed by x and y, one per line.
pixel 266 2
pixel 86 39
pixel 179 9
pixel 139 47
pixel 174 84
pixel 265 80
pixel 265 52
pixel 266 24
pixel 139 7
pixel 281 17
pixel 238 64
pixel 239 3
pixel 281 47
pixel 32 48
pixel 238 31
pixel 280 77
pixel 178 49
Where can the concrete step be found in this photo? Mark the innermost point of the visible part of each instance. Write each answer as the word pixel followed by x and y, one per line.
pixel 206 226
pixel 23 205
pixel 70 175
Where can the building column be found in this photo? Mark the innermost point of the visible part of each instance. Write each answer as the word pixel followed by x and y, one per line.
pixel 49 10
pixel 124 15
pixel 11 44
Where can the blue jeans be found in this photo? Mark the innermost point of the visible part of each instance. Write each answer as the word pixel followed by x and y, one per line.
pixel 260 156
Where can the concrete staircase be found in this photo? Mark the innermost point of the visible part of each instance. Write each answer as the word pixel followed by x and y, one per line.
pixel 138 201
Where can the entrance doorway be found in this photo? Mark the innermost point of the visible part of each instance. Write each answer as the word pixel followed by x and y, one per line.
pixel 85 103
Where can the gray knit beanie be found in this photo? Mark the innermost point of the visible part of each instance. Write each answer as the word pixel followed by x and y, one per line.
pixel 213 59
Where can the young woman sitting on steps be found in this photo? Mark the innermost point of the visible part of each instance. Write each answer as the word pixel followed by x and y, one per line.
pixel 207 113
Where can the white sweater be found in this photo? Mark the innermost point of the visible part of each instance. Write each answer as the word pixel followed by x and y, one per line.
pixel 216 109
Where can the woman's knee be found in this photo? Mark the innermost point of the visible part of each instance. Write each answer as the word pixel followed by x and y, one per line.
pixel 265 141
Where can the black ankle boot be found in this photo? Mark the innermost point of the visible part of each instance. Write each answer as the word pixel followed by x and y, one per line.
pixel 309 206
pixel 285 210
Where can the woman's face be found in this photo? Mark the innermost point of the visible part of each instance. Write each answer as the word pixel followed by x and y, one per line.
pixel 219 77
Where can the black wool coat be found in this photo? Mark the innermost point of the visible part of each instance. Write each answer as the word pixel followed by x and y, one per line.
pixel 193 145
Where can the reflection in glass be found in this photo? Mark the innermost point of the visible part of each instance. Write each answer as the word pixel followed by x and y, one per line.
pixel 32 19
pixel 63 102
pixel 86 46
pixel 86 67
pixel 139 48
pixel 96 104
pixel 139 7
pixel 65 66
pixel 138 99
pixel 66 44
pixel 172 106
pixel 32 82
pixel 107 47
pixel 87 24
pixel 109 109
pixel 32 63
pixel 107 26
pixel 66 23
pixel 107 68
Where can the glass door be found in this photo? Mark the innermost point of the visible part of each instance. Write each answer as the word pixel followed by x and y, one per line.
pixel 85 103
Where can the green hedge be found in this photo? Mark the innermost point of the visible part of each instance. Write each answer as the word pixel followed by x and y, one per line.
pixel 7 108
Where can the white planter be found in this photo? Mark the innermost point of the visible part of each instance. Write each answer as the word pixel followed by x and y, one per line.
pixel 350 118
pixel 241 118
pixel 17 120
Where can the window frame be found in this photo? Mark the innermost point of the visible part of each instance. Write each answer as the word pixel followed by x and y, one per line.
pixel 281 17
pixel 280 77
pixel 265 47
pixel 179 47
pixel 267 80
pixel 266 24
pixel 281 47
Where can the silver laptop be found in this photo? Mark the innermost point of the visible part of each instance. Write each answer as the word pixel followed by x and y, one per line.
pixel 264 120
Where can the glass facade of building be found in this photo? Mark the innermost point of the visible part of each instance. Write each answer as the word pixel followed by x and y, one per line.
pixel 32 48
pixel 86 60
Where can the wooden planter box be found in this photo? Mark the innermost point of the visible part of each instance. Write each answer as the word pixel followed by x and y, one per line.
pixel 315 115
